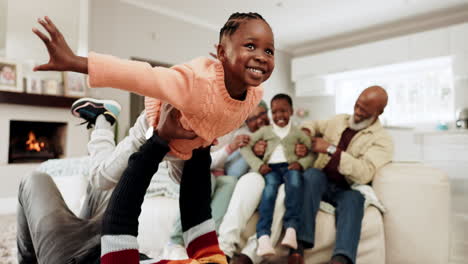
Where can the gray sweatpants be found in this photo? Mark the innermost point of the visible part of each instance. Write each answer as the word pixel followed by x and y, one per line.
pixel 49 232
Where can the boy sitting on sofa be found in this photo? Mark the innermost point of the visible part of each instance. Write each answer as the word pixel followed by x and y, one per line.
pixel 279 165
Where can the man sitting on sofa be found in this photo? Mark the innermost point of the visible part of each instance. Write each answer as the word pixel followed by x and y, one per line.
pixel 351 156
pixel 351 149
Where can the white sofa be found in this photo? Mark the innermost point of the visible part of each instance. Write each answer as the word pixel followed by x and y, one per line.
pixel 415 228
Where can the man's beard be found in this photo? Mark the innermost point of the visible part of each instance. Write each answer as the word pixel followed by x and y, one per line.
pixel 361 125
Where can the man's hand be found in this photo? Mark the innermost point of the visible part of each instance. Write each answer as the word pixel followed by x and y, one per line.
pixel 169 126
pixel 301 150
pixel 239 142
pixel 320 145
pixel 259 148
pixel 264 169
pixel 61 56
pixel 295 166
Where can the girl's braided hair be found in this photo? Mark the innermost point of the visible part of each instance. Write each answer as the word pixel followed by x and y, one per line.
pixel 235 20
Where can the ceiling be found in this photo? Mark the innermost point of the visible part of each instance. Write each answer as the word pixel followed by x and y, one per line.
pixel 298 22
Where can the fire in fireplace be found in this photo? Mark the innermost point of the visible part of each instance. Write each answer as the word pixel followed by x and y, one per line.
pixel 35 141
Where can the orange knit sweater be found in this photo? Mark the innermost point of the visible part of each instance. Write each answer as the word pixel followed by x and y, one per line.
pixel 195 88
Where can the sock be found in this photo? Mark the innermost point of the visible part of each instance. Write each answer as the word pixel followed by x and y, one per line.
pixel 102 123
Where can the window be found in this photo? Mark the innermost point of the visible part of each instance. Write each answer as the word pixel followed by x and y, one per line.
pixel 419 92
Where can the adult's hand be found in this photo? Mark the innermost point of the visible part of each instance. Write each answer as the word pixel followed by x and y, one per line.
pixel 264 169
pixel 61 57
pixel 239 142
pixel 301 150
pixel 319 145
pixel 169 126
pixel 259 148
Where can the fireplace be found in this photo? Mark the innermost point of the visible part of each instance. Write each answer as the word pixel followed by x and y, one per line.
pixel 32 141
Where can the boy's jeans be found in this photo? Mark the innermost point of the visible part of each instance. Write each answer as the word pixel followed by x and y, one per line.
pixel 292 180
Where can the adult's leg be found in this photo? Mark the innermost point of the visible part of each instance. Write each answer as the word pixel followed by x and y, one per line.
pixel 224 188
pixel 244 202
pixel 236 165
pixel 108 160
pixel 315 185
pixel 48 232
pixel 349 213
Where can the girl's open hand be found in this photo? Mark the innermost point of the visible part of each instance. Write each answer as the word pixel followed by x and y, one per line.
pixel 61 56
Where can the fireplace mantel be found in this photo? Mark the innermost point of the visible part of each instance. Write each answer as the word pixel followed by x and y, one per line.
pixel 36 99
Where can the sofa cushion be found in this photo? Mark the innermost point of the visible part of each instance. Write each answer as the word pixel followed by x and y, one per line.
pixel 417 225
pixel 371 248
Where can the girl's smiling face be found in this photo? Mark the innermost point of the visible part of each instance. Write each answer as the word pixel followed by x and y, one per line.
pixel 248 55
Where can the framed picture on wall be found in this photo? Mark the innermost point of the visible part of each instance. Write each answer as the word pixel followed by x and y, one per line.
pixel 10 76
pixel 74 84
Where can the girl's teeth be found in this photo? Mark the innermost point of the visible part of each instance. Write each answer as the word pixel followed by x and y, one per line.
pixel 255 70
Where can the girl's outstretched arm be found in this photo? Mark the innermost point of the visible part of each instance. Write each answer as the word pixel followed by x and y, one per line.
pixel 61 56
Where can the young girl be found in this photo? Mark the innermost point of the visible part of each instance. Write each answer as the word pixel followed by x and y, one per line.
pixel 213 96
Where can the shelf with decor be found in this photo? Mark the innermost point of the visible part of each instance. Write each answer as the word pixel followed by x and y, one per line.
pixel 36 99
pixel 20 85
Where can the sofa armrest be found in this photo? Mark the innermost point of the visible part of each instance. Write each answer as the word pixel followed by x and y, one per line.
pixel 417 221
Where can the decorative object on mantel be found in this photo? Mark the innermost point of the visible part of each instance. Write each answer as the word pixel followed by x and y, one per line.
pixel 33 85
pixel 74 84
pixel 302 112
pixel 10 76
pixel 51 87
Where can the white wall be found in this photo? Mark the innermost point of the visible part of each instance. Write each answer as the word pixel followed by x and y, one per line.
pixel 3 21
pixel 320 107
pixel 23 46
pixel 280 80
